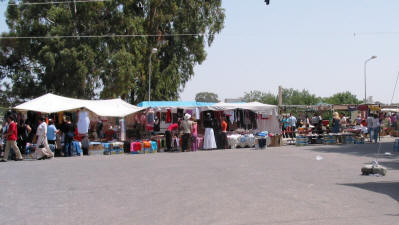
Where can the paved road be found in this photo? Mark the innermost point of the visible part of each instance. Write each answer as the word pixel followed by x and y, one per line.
pixel 285 185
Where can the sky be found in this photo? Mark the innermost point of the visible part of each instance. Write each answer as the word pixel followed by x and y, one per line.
pixel 317 45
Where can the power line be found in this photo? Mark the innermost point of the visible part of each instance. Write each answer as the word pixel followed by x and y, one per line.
pixel 50 3
pixel 100 36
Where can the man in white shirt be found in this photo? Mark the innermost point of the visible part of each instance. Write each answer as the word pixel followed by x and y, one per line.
pixel 292 123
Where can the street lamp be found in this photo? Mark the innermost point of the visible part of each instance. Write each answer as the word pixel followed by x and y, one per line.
pixel 153 51
pixel 365 86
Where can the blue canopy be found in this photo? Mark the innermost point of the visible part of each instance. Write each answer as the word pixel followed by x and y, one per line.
pixel 159 104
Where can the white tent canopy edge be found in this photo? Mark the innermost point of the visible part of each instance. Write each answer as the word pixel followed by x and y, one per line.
pixel 51 103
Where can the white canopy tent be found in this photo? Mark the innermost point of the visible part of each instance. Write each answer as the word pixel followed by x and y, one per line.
pixel 390 110
pixel 50 103
pixel 272 124
pixel 253 106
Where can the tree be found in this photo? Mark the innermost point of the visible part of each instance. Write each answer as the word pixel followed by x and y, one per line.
pixel 296 97
pixel 342 98
pixel 259 96
pixel 108 65
pixel 206 97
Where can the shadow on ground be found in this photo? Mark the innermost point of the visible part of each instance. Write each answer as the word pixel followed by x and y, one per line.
pixel 369 150
pixel 387 188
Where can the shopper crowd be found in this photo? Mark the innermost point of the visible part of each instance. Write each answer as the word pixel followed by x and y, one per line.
pixel 370 127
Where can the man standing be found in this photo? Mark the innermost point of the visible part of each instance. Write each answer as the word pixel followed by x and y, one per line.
pixel 11 136
pixel 370 126
pixel 186 126
pixel 83 129
pixel 292 124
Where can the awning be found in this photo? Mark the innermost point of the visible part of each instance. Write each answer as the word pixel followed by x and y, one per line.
pixel 50 103
pixel 253 106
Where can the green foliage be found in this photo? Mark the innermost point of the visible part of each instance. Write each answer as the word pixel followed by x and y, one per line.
pixel 343 98
pixel 206 97
pixel 296 97
pixel 258 96
pixel 107 66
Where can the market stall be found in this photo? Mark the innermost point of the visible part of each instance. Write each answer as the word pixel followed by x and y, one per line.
pixel 86 115
pixel 243 120
pixel 251 123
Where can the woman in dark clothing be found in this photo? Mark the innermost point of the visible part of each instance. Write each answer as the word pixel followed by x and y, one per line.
pixel 69 132
pixel 209 137
pixel 23 131
pixel 335 123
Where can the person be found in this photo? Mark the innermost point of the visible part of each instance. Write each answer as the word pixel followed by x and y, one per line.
pixel 83 125
pixel 292 123
pixel 209 137
pixel 186 126
pixel 370 127
pixel 223 125
pixel 68 138
pixel 43 150
pixel 194 136
pixel 343 122
pixel 358 119
pixel 3 136
pixel 23 135
pixel 51 132
pixel 169 134
pixel 284 121
pixel 335 123
pixel 11 135
pixel 99 129
pixel 376 127
pixel 316 122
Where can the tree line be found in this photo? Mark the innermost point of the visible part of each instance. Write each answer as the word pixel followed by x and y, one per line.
pixel 290 96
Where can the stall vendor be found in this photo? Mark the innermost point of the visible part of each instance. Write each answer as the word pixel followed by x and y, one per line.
pixel 174 127
pixel 186 126
pixel 335 123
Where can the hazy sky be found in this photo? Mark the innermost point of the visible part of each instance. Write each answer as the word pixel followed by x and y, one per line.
pixel 318 45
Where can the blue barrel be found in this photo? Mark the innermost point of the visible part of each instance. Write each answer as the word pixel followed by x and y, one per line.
pixel 348 139
pixel 301 141
pixel 107 148
pixel 329 140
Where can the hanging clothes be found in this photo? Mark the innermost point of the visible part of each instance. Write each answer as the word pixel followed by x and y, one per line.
pixel 168 116
pixel 180 113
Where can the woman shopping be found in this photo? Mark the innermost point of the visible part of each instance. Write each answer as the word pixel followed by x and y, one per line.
pixel 42 148
pixel 209 137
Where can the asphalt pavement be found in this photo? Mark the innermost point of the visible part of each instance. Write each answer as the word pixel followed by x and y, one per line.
pixel 281 185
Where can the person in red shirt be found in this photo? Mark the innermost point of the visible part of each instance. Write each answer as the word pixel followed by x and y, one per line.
pixel 168 135
pixel 223 126
pixel 11 136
